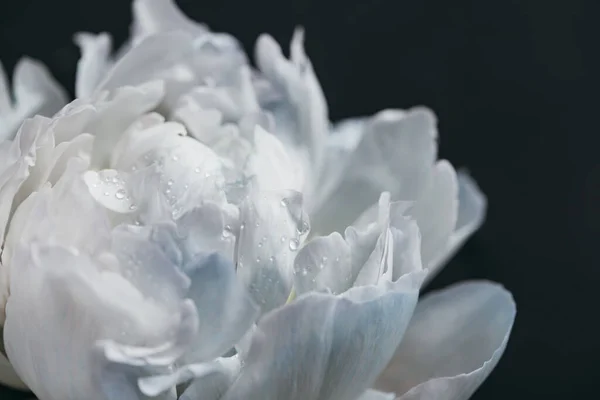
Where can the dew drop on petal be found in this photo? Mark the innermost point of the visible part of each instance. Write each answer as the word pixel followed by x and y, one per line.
pixel 170 182
pixel 120 194
pixel 294 244
pixel 227 232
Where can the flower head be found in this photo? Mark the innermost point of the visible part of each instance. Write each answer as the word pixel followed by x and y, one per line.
pixel 191 227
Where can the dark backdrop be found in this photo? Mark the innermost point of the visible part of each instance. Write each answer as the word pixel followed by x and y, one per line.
pixel 507 79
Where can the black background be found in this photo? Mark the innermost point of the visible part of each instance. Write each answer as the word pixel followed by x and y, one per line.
pixel 508 80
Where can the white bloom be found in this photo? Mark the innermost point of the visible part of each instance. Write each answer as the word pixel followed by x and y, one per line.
pixel 163 230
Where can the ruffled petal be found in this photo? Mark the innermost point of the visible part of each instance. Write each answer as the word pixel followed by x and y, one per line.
pixel 273 227
pixel 325 347
pixel 396 153
pixel 455 339
pixel 35 93
pixel 94 63
pixel 301 116
pixel 156 16
pixel 335 264
pixel 210 380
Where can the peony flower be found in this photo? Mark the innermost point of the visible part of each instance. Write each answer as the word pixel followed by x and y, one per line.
pixel 193 228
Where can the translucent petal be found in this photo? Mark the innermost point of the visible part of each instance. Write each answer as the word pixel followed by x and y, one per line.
pixel 436 212
pixel 455 339
pixel 396 153
pixel 323 347
pixel 365 255
pixel 272 229
pixel 472 205
pixel 225 309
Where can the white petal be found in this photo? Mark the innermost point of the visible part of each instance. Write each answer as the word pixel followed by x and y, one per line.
pixel 118 113
pixel 302 116
pixel 110 190
pixel 436 212
pixel 94 62
pixel 48 282
pixel 16 159
pixel 472 205
pixel 455 339
pixel 271 164
pixel 375 395
pixel 323 347
pixel 365 255
pixel 156 16
pixel 273 228
pixel 35 92
pixel 395 154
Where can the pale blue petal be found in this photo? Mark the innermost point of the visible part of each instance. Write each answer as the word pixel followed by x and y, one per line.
pixel 455 339
pixel 323 347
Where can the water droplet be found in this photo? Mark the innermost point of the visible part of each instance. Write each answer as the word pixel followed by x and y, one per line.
pixel 137 223
pixel 283 202
pixel 227 232
pixel 257 224
pixel 197 170
pixel 260 244
pixel 170 182
pixel 242 227
pixel 115 179
pixel 272 259
pixel 324 259
pixel 95 184
pixel 106 193
pixel 134 168
pixel 294 243
pixel 337 259
pixel 304 271
pixel 133 207
pixel 258 260
pixel 207 175
pixel 282 239
pixel 175 158
pixel 167 191
pixel 120 194
pixel 186 186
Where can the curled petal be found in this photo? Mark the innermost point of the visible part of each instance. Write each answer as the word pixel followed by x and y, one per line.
pixel 472 205
pixel 454 341
pixel 210 380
